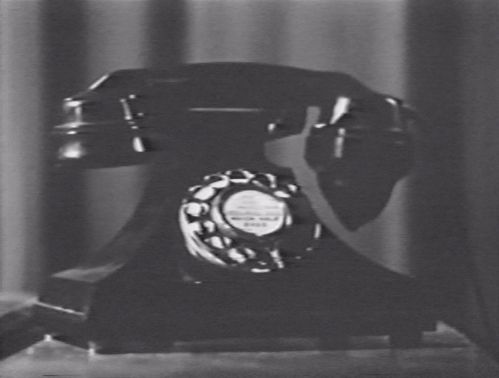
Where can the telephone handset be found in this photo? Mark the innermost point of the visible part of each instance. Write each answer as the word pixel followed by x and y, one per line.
pixel 127 115
pixel 244 154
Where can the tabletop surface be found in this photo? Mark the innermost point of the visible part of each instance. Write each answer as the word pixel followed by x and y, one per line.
pixel 444 353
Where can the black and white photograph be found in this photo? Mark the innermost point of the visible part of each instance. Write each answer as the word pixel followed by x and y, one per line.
pixel 249 188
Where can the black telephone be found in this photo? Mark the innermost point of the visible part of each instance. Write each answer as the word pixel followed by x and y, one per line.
pixel 233 236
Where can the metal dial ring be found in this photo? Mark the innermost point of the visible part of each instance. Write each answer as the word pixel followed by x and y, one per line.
pixel 246 221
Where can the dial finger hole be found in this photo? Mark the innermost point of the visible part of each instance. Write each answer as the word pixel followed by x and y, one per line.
pixel 250 254
pixel 205 193
pixel 239 175
pixel 195 228
pixel 236 255
pixel 202 229
pixel 216 242
pixel 209 227
pixel 227 241
pixel 217 181
pixel 265 179
pixel 261 179
pixel 196 209
pixel 247 174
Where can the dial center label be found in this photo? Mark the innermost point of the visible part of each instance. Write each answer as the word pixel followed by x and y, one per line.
pixel 255 212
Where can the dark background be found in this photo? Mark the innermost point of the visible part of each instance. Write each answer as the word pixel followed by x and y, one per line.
pixel 441 56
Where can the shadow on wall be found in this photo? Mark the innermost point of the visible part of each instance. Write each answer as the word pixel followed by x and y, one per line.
pixel 51 50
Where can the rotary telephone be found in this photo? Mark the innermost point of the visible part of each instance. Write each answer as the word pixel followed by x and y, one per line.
pixel 254 168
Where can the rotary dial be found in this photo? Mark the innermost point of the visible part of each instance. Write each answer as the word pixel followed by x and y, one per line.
pixel 248 221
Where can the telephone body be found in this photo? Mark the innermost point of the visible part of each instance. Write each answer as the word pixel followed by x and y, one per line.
pixel 254 168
